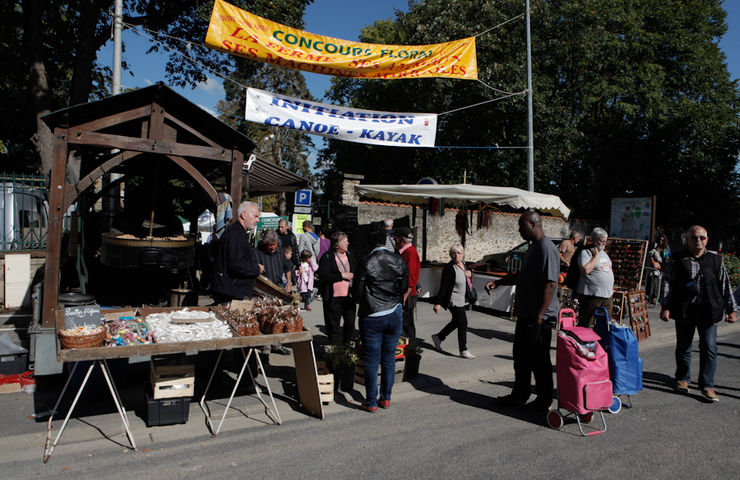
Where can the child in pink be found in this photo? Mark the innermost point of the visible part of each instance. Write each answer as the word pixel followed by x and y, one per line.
pixel 304 275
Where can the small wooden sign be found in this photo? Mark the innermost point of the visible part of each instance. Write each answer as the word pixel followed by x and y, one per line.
pixel 81 315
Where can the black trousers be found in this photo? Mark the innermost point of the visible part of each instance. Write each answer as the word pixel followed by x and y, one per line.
pixel 334 310
pixel 460 321
pixel 532 356
pixel 409 329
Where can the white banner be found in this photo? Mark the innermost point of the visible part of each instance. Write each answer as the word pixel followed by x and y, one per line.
pixel 350 124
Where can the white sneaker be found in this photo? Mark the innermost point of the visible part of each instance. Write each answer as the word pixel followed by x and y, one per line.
pixel 466 354
pixel 437 342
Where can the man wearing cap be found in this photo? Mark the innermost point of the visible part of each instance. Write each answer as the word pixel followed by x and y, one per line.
pixel 402 239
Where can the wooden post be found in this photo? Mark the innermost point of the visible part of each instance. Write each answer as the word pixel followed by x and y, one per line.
pixel 237 166
pixel 54 235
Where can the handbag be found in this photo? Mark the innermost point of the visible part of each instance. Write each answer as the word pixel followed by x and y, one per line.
pixel 470 294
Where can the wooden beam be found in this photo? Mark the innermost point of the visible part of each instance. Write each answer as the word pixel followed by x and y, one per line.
pixel 197 176
pixel 191 130
pixel 156 122
pixel 81 137
pixel 117 119
pixel 237 165
pixel 72 192
pixel 54 234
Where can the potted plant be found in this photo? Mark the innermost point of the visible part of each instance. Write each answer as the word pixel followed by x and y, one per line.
pixel 341 359
pixel 413 359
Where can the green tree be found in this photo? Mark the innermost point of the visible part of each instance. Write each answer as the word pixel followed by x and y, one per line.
pixel 56 64
pixel 630 98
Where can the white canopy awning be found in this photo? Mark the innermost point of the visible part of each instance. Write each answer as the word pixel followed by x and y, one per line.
pixel 466 194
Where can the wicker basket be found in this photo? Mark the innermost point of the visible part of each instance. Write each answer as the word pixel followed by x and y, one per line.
pixel 83 341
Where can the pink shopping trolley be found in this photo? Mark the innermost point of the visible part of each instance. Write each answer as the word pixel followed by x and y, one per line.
pixel 582 375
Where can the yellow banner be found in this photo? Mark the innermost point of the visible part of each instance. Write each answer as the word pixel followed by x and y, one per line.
pixel 233 30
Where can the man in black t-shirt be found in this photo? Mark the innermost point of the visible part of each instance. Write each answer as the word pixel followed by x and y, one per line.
pixel 536 309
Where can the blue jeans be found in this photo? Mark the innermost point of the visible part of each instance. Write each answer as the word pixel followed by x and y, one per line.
pixel 379 339
pixel 707 351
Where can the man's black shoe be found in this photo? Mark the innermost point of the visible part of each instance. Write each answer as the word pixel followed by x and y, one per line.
pixel 508 401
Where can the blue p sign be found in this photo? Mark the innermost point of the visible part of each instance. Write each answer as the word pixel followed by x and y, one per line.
pixel 303 198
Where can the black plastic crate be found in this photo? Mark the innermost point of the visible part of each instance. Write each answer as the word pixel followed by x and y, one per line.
pixel 166 411
pixel 12 364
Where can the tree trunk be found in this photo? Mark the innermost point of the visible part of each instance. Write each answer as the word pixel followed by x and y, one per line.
pixel 85 55
pixel 38 81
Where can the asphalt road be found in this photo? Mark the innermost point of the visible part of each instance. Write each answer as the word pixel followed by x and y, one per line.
pixel 440 432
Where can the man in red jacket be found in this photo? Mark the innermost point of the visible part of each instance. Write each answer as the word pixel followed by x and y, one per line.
pixel 403 238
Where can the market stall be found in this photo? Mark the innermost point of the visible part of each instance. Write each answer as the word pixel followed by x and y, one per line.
pixel 137 138
pixel 464 195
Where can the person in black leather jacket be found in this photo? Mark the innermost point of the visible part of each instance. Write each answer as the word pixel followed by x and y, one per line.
pixel 382 279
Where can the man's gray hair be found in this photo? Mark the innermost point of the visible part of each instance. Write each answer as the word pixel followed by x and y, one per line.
pixel 597 233
pixel 574 234
pixel 283 222
pixel 388 222
pixel 244 205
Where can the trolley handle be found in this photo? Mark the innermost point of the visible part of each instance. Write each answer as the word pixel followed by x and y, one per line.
pixel 566 318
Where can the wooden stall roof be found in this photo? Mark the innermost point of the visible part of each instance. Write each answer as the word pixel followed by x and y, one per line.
pixel 176 106
pixel 265 177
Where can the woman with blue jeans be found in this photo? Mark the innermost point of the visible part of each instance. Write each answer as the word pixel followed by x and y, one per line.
pixel 380 282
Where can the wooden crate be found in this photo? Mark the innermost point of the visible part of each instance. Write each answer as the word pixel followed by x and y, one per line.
pixel 171 378
pixel 326 382
pixel 360 372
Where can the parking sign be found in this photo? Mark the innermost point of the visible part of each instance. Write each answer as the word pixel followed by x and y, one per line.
pixel 303 198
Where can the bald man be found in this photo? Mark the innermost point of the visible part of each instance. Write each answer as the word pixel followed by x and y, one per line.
pixel 536 309
pixel 697 295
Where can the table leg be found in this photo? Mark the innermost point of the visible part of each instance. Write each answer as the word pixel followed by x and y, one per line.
pixel 204 406
pixel 117 401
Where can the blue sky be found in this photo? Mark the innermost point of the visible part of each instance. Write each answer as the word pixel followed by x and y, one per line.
pixel 340 19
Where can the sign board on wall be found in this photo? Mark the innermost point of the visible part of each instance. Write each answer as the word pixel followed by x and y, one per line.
pixel 631 217
pixel 298 219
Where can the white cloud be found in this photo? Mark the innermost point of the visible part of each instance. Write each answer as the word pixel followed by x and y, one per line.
pixel 212 86
pixel 148 82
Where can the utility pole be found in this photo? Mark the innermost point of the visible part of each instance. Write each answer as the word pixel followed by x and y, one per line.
pixel 117 31
pixel 530 147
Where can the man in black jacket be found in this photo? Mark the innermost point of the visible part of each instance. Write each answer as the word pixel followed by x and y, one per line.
pixel 287 239
pixel 382 279
pixel 236 265
pixel 697 295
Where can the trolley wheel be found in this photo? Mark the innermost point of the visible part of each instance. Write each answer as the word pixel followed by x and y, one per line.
pixel 554 419
pixel 616 405
pixel 587 417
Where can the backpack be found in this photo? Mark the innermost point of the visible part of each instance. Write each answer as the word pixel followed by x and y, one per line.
pixel 574 269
